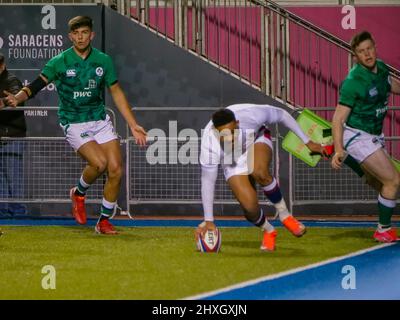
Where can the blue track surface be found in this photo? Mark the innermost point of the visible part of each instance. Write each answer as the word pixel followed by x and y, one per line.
pixel 377 277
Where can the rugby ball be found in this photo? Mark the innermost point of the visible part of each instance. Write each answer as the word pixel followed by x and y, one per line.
pixel 209 242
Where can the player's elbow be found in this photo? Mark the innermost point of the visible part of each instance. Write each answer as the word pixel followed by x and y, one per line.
pixel 338 121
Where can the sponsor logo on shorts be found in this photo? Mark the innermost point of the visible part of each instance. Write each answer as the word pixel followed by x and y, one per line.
pixel 84 135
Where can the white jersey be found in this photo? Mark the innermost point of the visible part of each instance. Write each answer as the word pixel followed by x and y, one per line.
pixel 253 118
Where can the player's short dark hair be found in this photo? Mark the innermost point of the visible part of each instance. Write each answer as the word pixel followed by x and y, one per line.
pixel 360 37
pixel 2 58
pixel 223 117
pixel 80 21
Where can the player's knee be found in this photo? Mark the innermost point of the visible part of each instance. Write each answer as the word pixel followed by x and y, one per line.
pixel 263 178
pixel 396 182
pixel 392 184
pixel 115 170
pixel 100 164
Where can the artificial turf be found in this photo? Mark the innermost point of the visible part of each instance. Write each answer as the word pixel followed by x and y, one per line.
pixel 153 262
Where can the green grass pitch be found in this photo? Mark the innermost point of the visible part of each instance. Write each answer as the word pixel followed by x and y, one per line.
pixel 154 263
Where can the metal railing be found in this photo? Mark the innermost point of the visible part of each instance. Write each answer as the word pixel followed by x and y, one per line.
pixel 176 182
pixel 50 1
pixel 260 42
pixel 44 169
pixel 322 184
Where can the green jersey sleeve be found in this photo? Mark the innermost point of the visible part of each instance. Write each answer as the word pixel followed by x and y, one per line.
pixel 110 74
pixel 49 70
pixel 348 94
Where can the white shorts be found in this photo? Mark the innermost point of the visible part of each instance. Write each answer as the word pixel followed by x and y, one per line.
pixel 101 131
pixel 360 144
pixel 245 163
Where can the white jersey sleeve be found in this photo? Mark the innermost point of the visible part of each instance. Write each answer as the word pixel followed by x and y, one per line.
pixel 210 156
pixel 289 122
pixel 208 178
pixel 210 150
pixel 266 114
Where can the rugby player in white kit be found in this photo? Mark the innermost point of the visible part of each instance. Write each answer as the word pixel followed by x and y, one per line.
pixel 238 138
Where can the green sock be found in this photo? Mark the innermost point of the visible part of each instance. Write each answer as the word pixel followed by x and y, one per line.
pixel 386 207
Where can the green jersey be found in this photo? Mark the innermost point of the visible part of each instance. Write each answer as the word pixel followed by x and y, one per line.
pixel 366 93
pixel 80 84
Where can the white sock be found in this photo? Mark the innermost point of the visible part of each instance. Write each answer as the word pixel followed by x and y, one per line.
pixel 282 209
pixel 267 226
pixel 381 229
pixel 83 182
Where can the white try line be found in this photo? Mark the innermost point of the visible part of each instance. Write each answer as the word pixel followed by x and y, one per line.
pixel 286 273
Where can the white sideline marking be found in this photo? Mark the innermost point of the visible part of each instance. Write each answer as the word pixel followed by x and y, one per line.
pixel 286 273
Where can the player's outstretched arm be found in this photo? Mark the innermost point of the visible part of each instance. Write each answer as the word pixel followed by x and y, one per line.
pixel 209 176
pixel 26 92
pixel 123 106
pixel 339 118
pixel 289 122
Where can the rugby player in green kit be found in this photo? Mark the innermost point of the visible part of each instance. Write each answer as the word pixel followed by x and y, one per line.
pixel 357 128
pixel 80 74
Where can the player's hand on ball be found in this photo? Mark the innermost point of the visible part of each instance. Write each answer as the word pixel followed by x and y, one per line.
pixel 203 227
pixel 139 134
pixel 337 159
pixel 208 237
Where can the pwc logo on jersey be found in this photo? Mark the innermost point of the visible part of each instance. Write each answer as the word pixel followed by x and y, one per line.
pixel 381 111
pixel 92 84
pixel 82 94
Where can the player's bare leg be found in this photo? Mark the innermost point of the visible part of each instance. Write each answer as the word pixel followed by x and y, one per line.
pixel 379 166
pixel 373 182
pixel 262 175
pixel 112 152
pixel 96 159
pixel 96 165
pixel 245 193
